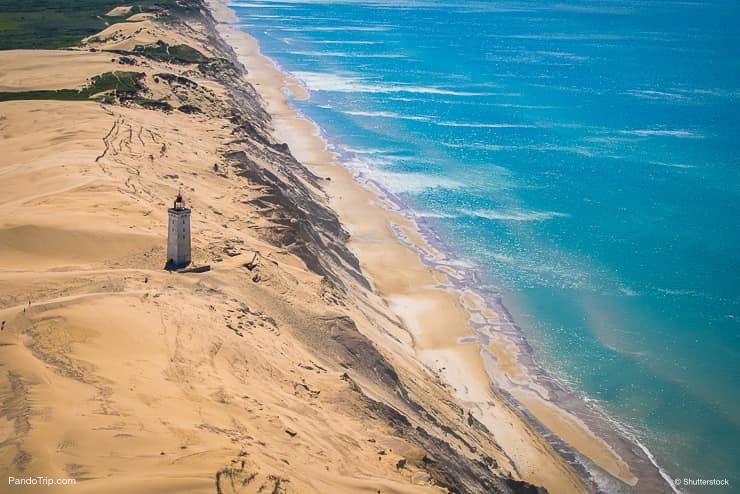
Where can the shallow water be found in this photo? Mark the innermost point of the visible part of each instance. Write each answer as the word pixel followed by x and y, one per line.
pixel 583 157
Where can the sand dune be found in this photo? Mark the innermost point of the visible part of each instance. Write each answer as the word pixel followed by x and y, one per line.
pixel 30 70
pixel 125 376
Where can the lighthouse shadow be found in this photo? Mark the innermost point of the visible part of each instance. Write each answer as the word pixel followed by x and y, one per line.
pixel 186 268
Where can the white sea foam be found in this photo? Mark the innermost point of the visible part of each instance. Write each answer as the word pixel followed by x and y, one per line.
pixel 365 151
pixel 502 257
pixel 524 107
pixel 662 472
pixel 317 81
pixel 342 54
pixel 563 55
pixel 713 92
pixel 672 165
pixel 561 37
pixel 269 5
pixel 656 95
pixel 486 125
pixel 675 291
pixel 387 114
pixel 477 103
pixel 372 164
pixel 680 133
pixel 513 214
pixel 609 139
pixel 344 42
pixel 484 147
pixel 368 162
pixel 628 292
pixel 562 149
pixel 432 214
pixel 412 183
pixel 331 29
pixel 541 148
pixel 586 9
pixel 570 89
pixel 683 94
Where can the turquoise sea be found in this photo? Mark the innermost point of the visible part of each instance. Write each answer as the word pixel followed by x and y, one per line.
pixel 582 158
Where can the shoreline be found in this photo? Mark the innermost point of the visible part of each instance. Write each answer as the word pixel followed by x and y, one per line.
pixel 504 366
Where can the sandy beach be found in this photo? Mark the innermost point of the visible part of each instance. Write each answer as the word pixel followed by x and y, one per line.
pixel 345 360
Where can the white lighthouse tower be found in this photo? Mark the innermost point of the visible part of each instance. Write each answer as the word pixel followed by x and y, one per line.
pixel 178 234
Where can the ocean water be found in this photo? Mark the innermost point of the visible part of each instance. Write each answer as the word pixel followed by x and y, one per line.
pixel 583 157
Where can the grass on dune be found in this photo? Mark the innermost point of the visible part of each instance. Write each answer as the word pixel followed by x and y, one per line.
pixel 59 23
pixel 176 53
pixel 122 82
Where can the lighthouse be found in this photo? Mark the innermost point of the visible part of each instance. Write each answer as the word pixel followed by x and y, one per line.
pixel 178 234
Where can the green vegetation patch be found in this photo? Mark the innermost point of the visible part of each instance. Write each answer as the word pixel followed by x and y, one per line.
pixel 52 24
pixel 153 104
pixel 123 83
pixel 163 52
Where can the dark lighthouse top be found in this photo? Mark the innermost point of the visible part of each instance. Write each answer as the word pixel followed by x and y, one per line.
pixel 179 203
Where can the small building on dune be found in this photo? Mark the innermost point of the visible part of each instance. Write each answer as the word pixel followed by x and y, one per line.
pixel 178 235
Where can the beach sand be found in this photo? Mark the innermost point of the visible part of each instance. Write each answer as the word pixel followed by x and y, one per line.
pixel 316 371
